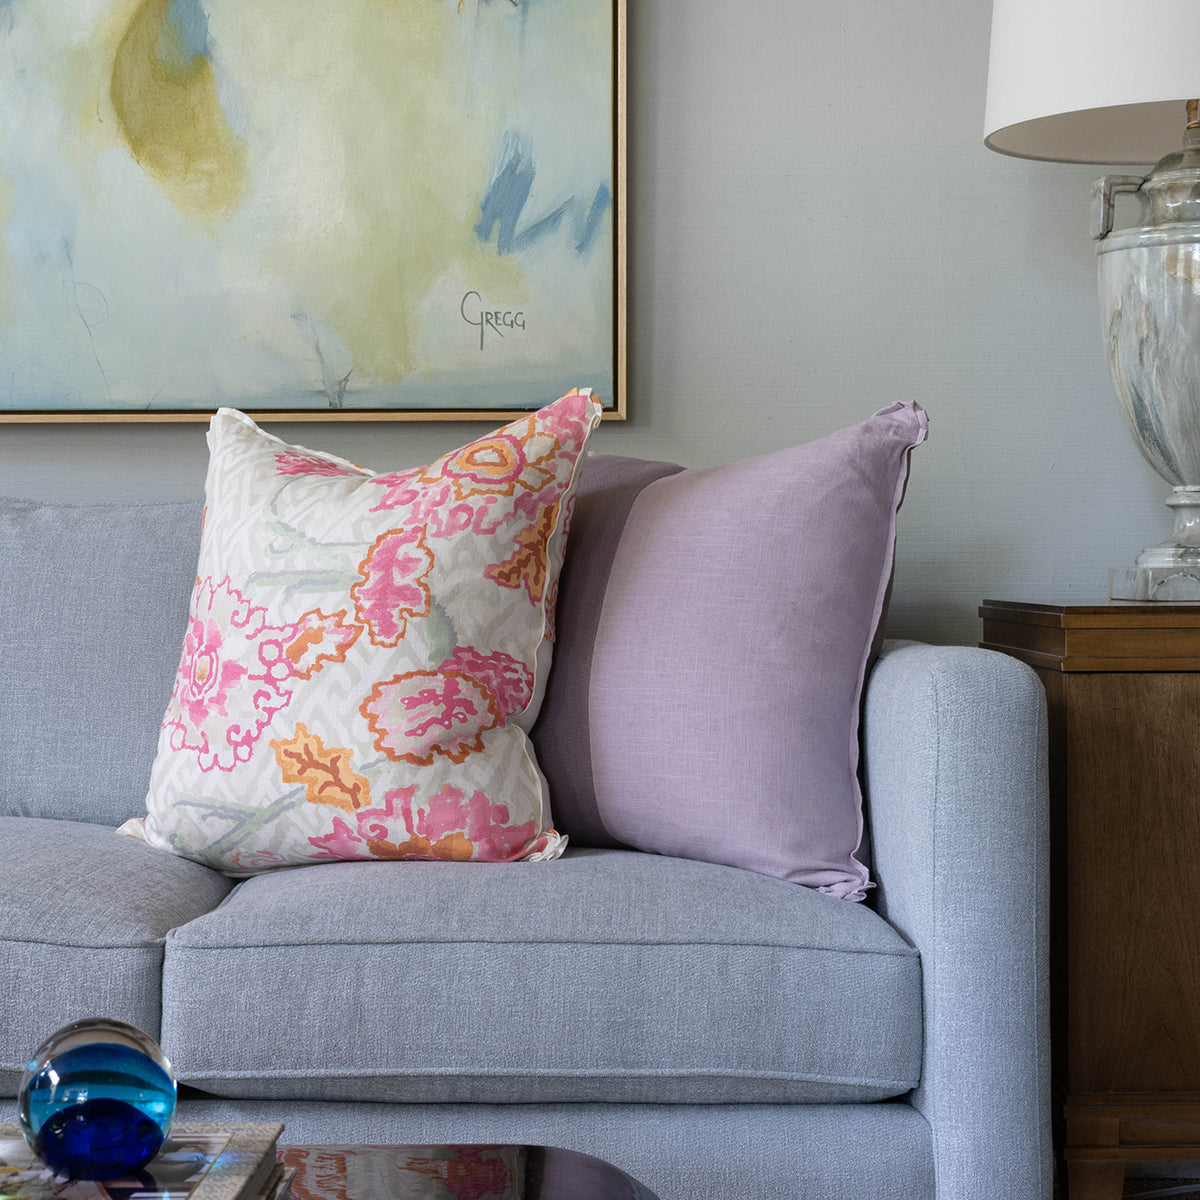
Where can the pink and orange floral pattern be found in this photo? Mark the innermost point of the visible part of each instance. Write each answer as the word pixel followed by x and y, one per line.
pixel 237 671
pixel 424 1172
pixel 453 827
pixel 353 636
pixel 508 680
pixel 423 713
pixel 420 714
pixel 393 584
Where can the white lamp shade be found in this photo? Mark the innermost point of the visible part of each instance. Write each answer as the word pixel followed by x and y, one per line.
pixel 1091 81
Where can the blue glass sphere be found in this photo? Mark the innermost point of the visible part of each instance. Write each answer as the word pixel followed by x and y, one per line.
pixel 97 1100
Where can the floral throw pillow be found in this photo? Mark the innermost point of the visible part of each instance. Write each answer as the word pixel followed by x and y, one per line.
pixel 366 653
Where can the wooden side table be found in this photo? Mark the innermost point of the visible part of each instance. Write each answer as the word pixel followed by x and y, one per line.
pixel 1123 687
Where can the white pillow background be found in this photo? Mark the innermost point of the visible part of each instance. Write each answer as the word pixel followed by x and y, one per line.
pixel 366 652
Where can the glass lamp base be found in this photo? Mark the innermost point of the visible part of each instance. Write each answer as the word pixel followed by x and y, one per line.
pixel 1168 573
pixel 1162 585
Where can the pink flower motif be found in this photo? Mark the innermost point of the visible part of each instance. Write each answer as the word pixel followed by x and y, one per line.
pixel 304 464
pixel 343 844
pixel 237 671
pixel 392 586
pixel 451 828
pixel 508 679
pixel 483 823
pixel 375 822
pixel 568 420
pixel 420 714
pixel 432 503
pixel 373 825
pixel 400 488
pixel 205 677
pixel 221 702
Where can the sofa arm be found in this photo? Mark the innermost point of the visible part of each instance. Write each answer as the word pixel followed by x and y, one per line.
pixel 956 785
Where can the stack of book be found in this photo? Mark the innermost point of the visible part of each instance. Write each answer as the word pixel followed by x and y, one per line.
pixel 198 1161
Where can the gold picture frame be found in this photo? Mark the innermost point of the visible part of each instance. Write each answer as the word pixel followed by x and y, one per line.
pixel 446 242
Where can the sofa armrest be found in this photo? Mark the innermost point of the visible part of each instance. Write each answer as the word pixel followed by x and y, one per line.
pixel 956 784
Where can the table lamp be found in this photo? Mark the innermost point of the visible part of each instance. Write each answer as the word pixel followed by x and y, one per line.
pixel 1110 81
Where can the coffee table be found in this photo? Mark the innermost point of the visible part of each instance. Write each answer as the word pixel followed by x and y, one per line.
pixel 455 1173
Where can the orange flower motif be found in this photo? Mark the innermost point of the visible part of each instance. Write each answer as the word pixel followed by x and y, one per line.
pixel 325 771
pixel 492 464
pixel 454 847
pixel 526 566
pixel 320 639
pixel 517 459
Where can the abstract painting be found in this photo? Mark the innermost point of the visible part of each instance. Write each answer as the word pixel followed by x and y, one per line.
pixel 364 209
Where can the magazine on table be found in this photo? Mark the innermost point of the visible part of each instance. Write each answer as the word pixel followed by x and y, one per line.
pixel 198 1161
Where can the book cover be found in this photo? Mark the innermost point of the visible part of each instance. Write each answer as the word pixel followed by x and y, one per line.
pixel 198 1161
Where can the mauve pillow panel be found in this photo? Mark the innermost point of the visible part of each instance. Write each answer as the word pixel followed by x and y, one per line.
pixel 728 658
pixel 608 487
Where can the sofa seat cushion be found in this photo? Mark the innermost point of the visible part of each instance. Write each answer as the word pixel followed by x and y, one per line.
pixel 607 975
pixel 83 915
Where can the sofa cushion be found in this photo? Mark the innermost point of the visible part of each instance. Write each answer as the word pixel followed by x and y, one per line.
pixel 606 975
pixel 721 686
pixel 366 653
pixel 93 603
pixel 83 914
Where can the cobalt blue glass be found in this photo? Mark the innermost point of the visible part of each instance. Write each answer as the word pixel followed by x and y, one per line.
pixel 97 1100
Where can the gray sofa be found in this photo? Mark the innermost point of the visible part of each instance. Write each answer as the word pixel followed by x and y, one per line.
pixel 712 1031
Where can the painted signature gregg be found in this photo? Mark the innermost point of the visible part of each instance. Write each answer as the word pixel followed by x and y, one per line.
pixel 489 320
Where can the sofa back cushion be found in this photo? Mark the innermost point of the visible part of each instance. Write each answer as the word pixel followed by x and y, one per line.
pixel 93 606
pixel 93 602
pixel 713 631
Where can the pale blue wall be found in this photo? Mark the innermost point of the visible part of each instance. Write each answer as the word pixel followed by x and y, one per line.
pixel 817 230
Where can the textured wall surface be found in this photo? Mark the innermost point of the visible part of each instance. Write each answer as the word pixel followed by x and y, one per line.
pixel 816 230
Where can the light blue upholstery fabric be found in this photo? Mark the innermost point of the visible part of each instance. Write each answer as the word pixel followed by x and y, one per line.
pixel 93 606
pixel 955 760
pixel 83 914
pixel 681 1152
pixel 646 979
pixel 606 975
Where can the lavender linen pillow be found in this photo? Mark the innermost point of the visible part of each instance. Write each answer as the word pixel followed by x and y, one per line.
pixel 719 625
